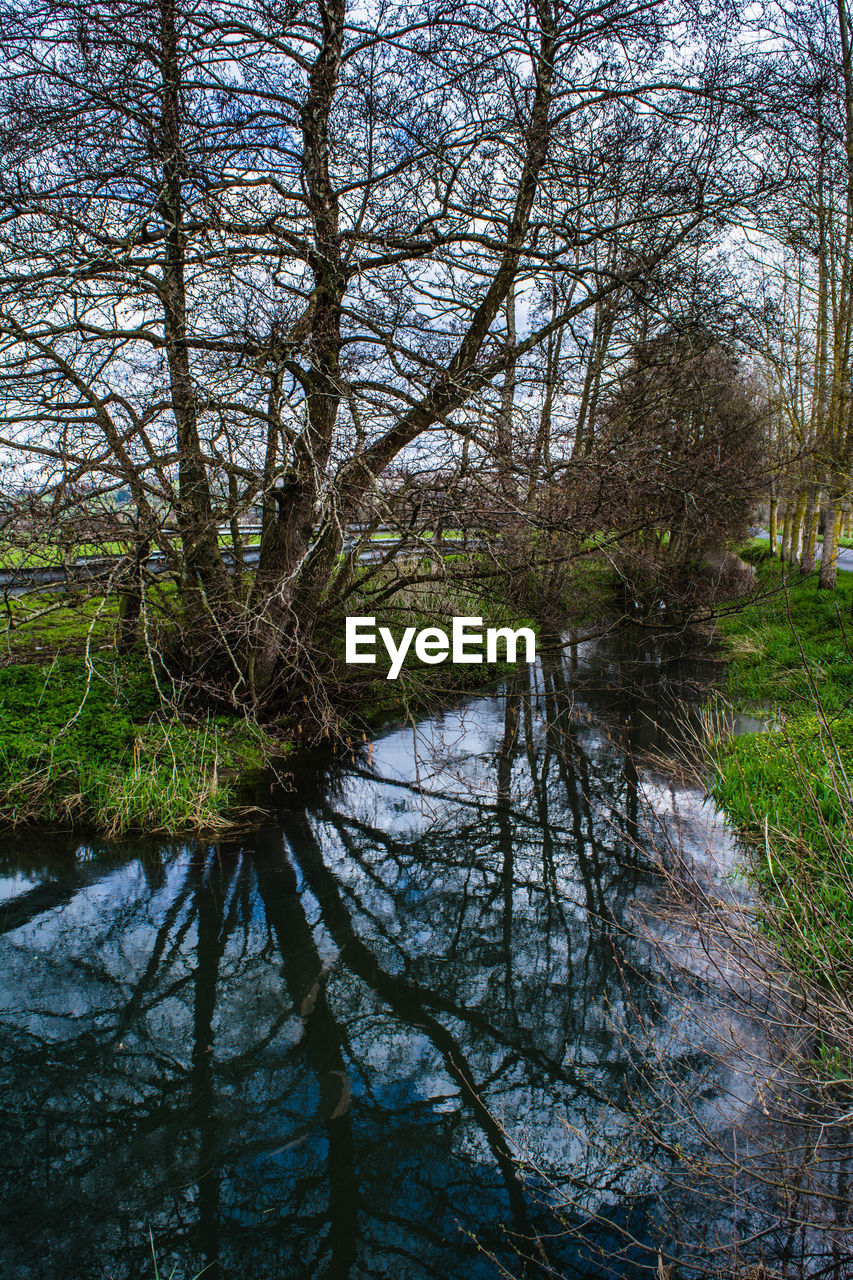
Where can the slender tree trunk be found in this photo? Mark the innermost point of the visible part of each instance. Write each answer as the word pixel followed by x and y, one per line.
pixel 829 554
pixel 542 446
pixel 786 529
pixel 797 526
pixel 130 599
pixel 504 422
pixel 840 435
pixel 810 531
pixel 602 331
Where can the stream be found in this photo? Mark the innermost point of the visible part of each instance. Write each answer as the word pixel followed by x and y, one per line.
pixel 378 1038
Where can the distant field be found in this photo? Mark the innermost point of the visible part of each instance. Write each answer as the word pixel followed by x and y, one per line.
pixel 51 556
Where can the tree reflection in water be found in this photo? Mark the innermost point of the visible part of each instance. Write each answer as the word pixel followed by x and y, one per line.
pixel 330 1049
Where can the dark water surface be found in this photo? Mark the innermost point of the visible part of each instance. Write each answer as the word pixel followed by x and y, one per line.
pixel 373 1040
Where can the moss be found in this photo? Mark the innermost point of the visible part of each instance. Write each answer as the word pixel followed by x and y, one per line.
pixel 42 626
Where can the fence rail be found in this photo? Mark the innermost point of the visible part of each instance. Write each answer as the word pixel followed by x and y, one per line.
pixel 382 540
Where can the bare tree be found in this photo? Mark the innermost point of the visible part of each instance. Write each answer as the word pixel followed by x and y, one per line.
pixel 252 257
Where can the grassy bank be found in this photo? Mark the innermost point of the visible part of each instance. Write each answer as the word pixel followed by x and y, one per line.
pixel 88 742
pixel 87 737
pixel 788 789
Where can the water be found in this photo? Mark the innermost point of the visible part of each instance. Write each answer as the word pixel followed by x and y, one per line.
pixel 373 1040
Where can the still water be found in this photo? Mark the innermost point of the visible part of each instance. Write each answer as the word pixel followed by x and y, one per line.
pixel 375 1039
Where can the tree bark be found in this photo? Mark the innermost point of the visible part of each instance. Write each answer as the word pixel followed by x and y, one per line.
pixel 810 531
pixel 288 536
pixel 202 559
pixel 829 556
pixel 504 422
pixel 786 529
pixel 796 534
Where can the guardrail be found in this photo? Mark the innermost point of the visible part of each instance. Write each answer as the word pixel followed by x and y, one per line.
pixel 93 568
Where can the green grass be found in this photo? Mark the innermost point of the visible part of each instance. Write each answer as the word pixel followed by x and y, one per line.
pixel 86 743
pixel 788 789
pixel 790 638
pixel 41 626
pixel 842 541
pixel 788 792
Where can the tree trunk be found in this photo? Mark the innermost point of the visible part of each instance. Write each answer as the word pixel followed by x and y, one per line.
pixel 840 435
pixel 602 331
pixel 786 529
pixel 204 571
pixel 504 422
pixel 542 446
pixel 130 599
pixel 285 610
pixel 829 555
pixel 797 526
pixel 810 531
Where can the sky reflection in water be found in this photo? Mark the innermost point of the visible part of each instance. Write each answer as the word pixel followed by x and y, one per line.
pixel 358 1043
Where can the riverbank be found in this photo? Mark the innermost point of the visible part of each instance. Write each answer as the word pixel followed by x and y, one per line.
pixel 788 789
pixel 96 739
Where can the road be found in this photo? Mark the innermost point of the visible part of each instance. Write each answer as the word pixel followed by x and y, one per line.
pixel 89 568
pixel 845 554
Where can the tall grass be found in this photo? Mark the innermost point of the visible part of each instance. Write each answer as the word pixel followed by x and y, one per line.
pixel 789 789
pixel 172 782
pixel 788 792
pixel 790 639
